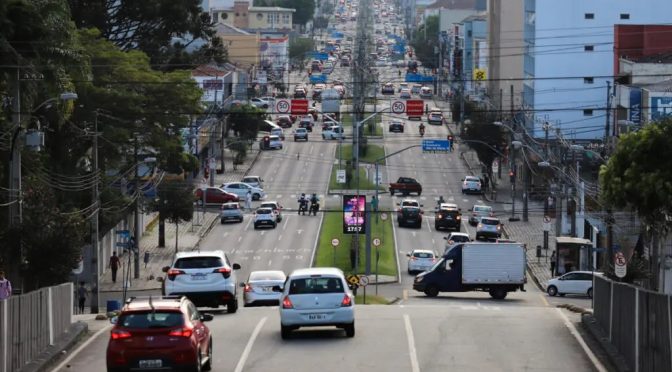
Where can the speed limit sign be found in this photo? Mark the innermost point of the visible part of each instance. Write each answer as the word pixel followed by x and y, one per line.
pixel 283 106
pixel 376 242
pixel 398 107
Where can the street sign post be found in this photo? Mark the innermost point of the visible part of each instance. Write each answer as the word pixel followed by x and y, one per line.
pixel 620 265
pixel 283 106
pixel 334 243
pixel 340 176
pixel 414 108
pixel 398 107
pixel 546 224
pixel 434 145
pixel 376 242
pixel 299 106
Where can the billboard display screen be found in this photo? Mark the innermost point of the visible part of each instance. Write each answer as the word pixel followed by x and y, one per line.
pixel 354 216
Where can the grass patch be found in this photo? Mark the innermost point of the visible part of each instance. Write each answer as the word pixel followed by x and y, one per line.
pixel 373 152
pixel 370 299
pixel 332 227
pixel 364 183
pixel 347 120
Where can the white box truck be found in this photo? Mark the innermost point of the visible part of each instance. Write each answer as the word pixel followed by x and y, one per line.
pixel 496 268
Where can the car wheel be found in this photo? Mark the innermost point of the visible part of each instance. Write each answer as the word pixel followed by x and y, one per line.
pixel 221 221
pixel 256 196
pixel 432 291
pixel 391 191
pixel 285 332
pixel 498 293
pixel 590 293
pixel 255 226
pixel 350 330
pixel 436 227
pixel 208 364
pixel 232 306
pixel 240 220
pixel 552 290
pixel 275 224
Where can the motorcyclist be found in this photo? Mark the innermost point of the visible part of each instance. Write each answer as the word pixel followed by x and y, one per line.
pixel 303 202
pixel 422 129
pixel 441 200
pixel 314 204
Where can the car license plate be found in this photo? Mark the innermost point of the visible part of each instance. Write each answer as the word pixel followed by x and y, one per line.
pixel 317 316
pixel 267 289
pixel 151 363
pixel 410 221
pixel 198 277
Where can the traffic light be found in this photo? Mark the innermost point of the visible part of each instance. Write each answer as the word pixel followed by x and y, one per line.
pixel 512 176
pixel 450 143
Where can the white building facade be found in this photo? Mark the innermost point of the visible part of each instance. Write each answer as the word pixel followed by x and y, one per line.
pixel 568 60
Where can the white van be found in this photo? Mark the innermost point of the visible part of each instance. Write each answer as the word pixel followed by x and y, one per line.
pixel 278 132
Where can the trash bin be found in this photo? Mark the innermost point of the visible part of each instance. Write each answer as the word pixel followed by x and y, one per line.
pixel 538 251
pixel 113 305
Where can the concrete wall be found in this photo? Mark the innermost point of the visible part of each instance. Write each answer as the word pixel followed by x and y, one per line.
pixel 505 60
pixel 243 49
pixel 559 32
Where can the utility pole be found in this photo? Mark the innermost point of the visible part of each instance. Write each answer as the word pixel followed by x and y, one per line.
pixel 608 116
pixel 15 212
pixel 138 193
pixel 95 253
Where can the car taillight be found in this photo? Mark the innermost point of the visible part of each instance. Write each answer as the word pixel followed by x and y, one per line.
pixel 119 334
pixel 347 301
pixel 225 271
pixel 248 288
pixel 181 332
pixel 480 225
pixel 287 303
pixel 172 273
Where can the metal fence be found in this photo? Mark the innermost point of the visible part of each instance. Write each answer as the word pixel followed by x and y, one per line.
pixel 29 323
pixel 638 323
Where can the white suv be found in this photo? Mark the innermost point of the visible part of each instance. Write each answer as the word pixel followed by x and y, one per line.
pixel 333 132
pixel 316 297
pixel 265 217
pixel 206 278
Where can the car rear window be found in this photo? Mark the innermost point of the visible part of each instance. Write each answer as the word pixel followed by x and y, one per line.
pixel 489 221
pixel 229 206
pixel 482 209
pixel 151 319
pixel 267 276
pixel 264 211
pixel 473 179
pixel 423 255
pixel 200 262
pixel 459 238
pixel 269 205
pixel 316 285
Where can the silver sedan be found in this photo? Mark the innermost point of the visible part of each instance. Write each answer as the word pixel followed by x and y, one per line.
pixel 258 289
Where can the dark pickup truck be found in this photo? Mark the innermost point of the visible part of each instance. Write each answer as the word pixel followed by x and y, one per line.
pixel 405 186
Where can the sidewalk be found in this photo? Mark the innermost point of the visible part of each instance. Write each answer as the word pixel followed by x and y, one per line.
pixel 531 232
pixel 189 235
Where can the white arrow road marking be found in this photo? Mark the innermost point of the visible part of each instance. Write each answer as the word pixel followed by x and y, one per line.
pixel 240 238
pixel 256 258
pixel 414 234
pixel 248 347
pixel 299 231
pixel 269 262
pixel 415 366
pixel 263 232
pixel 226 233
pixel 299 257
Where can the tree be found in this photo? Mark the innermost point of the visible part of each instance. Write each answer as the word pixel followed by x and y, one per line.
pixel 321 22
pixel 484 137
pixel 328 8
pixel 175 203
pixel 638 175
pixel 425 40
pixel 299 47
pixel 150 26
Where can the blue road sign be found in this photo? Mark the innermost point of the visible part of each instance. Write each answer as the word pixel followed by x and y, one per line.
pixel 124 233
pixel 435 145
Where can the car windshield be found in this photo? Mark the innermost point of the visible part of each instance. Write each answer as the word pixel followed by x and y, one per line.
pixel 482 209
pixel 269 205
pixel 489 221
pixel 200 262
pixel 230 206
pixel 437 264
pixel 267 275
pixel 459 238
pixel 423 255
pixel 316 285
pixel 264 211
pixel 151 319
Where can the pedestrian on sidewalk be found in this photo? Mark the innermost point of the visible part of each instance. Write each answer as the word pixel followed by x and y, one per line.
pixel 553 258
pixel 114 266
pixel 248 200
pixel 82 294
pixel 5 287
pixel 146 259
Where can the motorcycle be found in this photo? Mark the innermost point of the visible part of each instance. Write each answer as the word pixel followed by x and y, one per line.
pixel 422 131
pixel 303 206
pixel 314 207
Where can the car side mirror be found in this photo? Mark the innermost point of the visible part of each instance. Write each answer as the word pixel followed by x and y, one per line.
pixel 236 266
pixel 277 288
pixel 242 285
pixel 445 238
pixel 206 317
pixel 165 269
pixel 408 255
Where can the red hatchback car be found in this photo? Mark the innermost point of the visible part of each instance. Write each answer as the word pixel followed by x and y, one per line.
pixel 215 195
pixel 160 333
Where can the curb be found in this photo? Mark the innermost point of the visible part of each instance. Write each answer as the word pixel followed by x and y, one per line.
pixel 52 353
pixel 394 301
pixel 618 362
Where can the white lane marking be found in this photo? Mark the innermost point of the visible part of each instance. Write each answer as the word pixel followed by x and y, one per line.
pixel 80 348
pixel 279 196
pixel 240 238
pixel 596 362
pixel 249 221
pixel 263 232
pixel 415 367
pixel 299 231
pixel 269 262
pixel 429 227
pixel 280 237
pixel 226 233
pixel 466 200
pixel 284 225
pixel 414 234
pixel 248 347
pixel 466 227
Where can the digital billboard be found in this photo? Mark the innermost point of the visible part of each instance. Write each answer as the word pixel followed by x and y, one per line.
pixel 354 216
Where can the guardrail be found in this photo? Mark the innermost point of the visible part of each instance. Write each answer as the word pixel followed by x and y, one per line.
pixel 29 323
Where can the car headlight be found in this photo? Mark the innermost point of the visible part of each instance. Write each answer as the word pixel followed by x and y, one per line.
pixel 418 278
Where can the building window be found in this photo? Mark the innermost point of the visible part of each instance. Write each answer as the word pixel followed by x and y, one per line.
pixel 237 14
pixel 469 33
pixel 588 80
pixel 588 112
pixel 589 16
pixel 225 15
pixel 260 16
pixel 285 18
pixel 589 48
pixel 625 16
